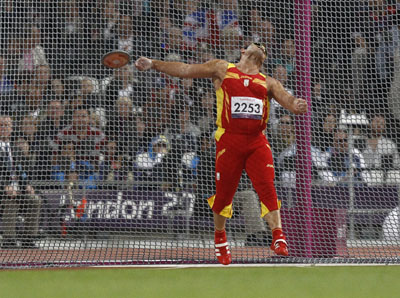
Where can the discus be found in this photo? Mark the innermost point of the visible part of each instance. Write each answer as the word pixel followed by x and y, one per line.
pixel 115 59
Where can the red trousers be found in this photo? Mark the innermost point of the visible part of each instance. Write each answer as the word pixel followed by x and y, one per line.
pixel 234 153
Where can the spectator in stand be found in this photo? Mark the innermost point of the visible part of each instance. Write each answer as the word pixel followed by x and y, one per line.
pixel 8 16
pixel 49 17
pixel 195 25
pixel 381 152
pixel 204 55
pixel 13 50
pixel 250 11
pixel 6 84
pixel 72 35
pixel 322 104
pixel 190 92
pixel 183 128
pixel 92 40
pixel 125 78
pixel 175 11
pixel 49 127
pixel 203 24
pixel 29 131
pixel 37 92
pixel 174 44
pixel 34 102
pixel 232 41
pixel 325 138
pixel 183 135
pixel 287 58
pixel 379 37
pixel 97 120
pixel 6 87
pixel 157 109
pixel 87 86
pixel 263 31
pixel 279 74
pixel 58 89
pixel 126 35
pixel 109 24
pixel 339 162
pixel 123 84
pixel 64 165
pixel 152 165
pixel 88 143
pixel 359 68
pixel 317 101
pixel 284 147
pixel 76 102
pixel 115 166
pixel 33 54
pixel 16 194
pixel 89 92
pixel 394 95
pixel 207 111
pixel 41 78
pixel 15 101
pixel 285 134
pixel 321 109
pixel 26 159
pixel 121 127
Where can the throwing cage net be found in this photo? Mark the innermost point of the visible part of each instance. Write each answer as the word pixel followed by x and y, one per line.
pixel 108 166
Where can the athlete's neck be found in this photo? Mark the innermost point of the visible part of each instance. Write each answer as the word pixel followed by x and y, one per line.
pixel 247 67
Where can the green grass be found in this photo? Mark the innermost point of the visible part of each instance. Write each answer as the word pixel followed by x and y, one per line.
pixel 230 282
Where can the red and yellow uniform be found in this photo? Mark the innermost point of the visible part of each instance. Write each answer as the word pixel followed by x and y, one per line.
pixel 242 116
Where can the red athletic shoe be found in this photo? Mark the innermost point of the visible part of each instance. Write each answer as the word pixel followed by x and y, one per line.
pixel 222 250
pixel 279 246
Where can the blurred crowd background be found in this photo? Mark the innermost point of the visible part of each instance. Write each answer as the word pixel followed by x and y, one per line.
pixel 76 121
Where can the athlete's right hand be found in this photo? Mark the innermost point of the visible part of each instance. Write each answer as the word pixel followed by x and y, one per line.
pixel 300 106
pixel 143 63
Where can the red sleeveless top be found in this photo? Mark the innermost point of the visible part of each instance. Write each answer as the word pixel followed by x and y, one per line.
pixel 242 103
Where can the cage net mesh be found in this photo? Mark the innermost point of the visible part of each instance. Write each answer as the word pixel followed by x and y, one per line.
pixel 114 166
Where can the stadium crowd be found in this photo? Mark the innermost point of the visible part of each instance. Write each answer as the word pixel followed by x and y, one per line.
pixel 77 121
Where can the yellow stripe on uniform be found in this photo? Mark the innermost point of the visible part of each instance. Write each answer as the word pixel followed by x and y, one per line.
pixel 265 210
pixel 260 82
pixel 227 103
pixel 268 107
pixel 220 105
pixel 226 212
pixel 219 154
pixel 218 134
pixel 211 201
pixel 231 75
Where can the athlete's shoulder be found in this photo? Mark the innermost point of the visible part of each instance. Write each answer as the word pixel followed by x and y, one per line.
pixel 217 63
pixel 219 68
pixel 269 80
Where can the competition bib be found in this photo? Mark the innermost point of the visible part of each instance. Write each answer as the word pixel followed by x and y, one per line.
pixel 246 107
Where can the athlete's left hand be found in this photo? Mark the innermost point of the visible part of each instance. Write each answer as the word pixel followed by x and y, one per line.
pixel 300 106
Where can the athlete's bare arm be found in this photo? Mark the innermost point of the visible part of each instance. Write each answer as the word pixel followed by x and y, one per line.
pixel 214 69
pixel 284 98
